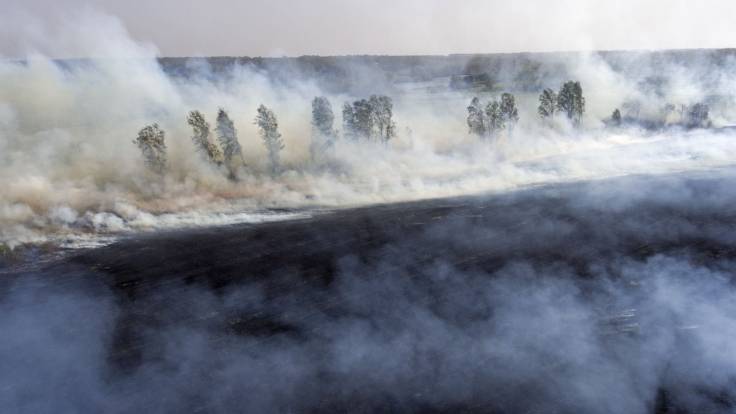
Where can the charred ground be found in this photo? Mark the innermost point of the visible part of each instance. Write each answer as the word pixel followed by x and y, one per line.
pixel 464 304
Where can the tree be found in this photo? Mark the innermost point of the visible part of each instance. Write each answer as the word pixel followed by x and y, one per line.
pixel 370 119
pixel 496 121
pixel 228 137
pixel 359 119
pixel 547 104
pixel 348 121
pixel 616 118
pixel 201 138
pixel 509 112
pixel 476 118
pixel 323 132
pixel 152 144
pixel 363 118
pixel 322 117
pixel 698 116
pixel 382 115
pixel 571 102
pixel 269 129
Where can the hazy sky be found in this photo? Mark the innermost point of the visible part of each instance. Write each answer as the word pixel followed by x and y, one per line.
pixel 329 27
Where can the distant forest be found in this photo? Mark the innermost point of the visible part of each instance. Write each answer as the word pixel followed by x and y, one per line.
pixel 516 72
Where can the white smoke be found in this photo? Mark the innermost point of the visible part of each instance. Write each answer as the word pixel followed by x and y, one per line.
pixel 68 167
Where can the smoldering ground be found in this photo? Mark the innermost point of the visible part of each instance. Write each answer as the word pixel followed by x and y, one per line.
pixel 603 296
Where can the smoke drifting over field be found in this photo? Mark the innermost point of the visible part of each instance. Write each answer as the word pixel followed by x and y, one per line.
pixel 609 296
pixel 69 168
pixel 594 273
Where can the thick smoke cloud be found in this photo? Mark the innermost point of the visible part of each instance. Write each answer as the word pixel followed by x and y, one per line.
pixel 70 173
pixel 605 296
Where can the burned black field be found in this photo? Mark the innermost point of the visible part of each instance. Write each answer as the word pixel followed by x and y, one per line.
pixel 604 296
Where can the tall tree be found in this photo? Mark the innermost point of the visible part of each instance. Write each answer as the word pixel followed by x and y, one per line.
pixel 227 135
pixel 323 132
pixel 151 142
pixel 363 119
pixel 508 109
pixel 476 118
pixel 323 118
pixel 496 120
pixel 547 104
pixel 269 129
pixel 698 116
pixel 571 102
pixel 579 107
pixel 348 121
pixel 370 118
pixel 201 138
pixel 382 114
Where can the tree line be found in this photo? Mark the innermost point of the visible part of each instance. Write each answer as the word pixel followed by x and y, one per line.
pixel 368 119
pixel 491 118
pixel 497 115
pixel 696 115
pixel 569 102
pixel 371 119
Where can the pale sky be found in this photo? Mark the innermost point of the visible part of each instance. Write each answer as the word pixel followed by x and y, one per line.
pixel 338 27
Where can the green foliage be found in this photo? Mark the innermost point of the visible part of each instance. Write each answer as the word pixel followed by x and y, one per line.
pixel 495 117
pixel 269 130
pixel 382 113
pixel 547 104
pixel 349 121
pixel 363 118
pixel 151 142
pixel 323 118
pixel 227 135
pixel 570 101
pixel 201 138
pixel 323 131
pixel 698 116
pixel 476 118
pixel 370 118
pixel 508 109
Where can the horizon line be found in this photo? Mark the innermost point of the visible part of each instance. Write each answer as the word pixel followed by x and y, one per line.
pixel 370 55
